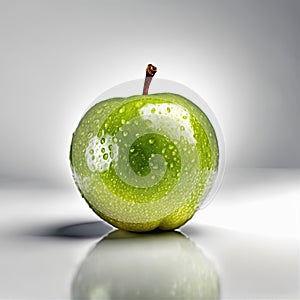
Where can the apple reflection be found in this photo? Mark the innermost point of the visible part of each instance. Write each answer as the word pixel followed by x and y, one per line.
pixel 160 265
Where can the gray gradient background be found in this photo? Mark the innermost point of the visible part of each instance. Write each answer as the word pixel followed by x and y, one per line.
pixel 56 57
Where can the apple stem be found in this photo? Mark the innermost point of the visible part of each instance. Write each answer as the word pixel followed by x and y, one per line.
pixel 150 72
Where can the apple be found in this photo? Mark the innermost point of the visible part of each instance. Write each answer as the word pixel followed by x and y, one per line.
pixel 146 161
pixel 160 265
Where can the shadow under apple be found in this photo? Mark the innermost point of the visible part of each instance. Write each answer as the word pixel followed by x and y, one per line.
pixel 158 265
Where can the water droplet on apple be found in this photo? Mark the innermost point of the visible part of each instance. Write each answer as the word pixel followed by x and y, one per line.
pixel 139 104
pixel 148 122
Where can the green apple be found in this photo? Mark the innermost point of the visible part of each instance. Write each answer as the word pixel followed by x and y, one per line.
pixel 164 265
pixel 146 161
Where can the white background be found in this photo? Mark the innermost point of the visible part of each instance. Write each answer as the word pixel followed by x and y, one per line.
pixel 242 57
pixel 56 57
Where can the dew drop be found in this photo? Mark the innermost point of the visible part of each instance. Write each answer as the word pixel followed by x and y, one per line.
pixel 123 121
pixel 102 150
pixel 139 104
pixel 184 117
pixel 91 151
pixel 102 140
pixel 171 147
pixel 168 109
pixel 151 141
pixel 110 147
pixel 182 128
pixel 132 150
pixel 105 156
pixel 122 109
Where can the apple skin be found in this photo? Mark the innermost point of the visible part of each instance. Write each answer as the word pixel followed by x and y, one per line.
pixel 145 161
pixel 160 265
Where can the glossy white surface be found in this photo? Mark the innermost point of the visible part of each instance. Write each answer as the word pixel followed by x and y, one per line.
pixel 248 237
